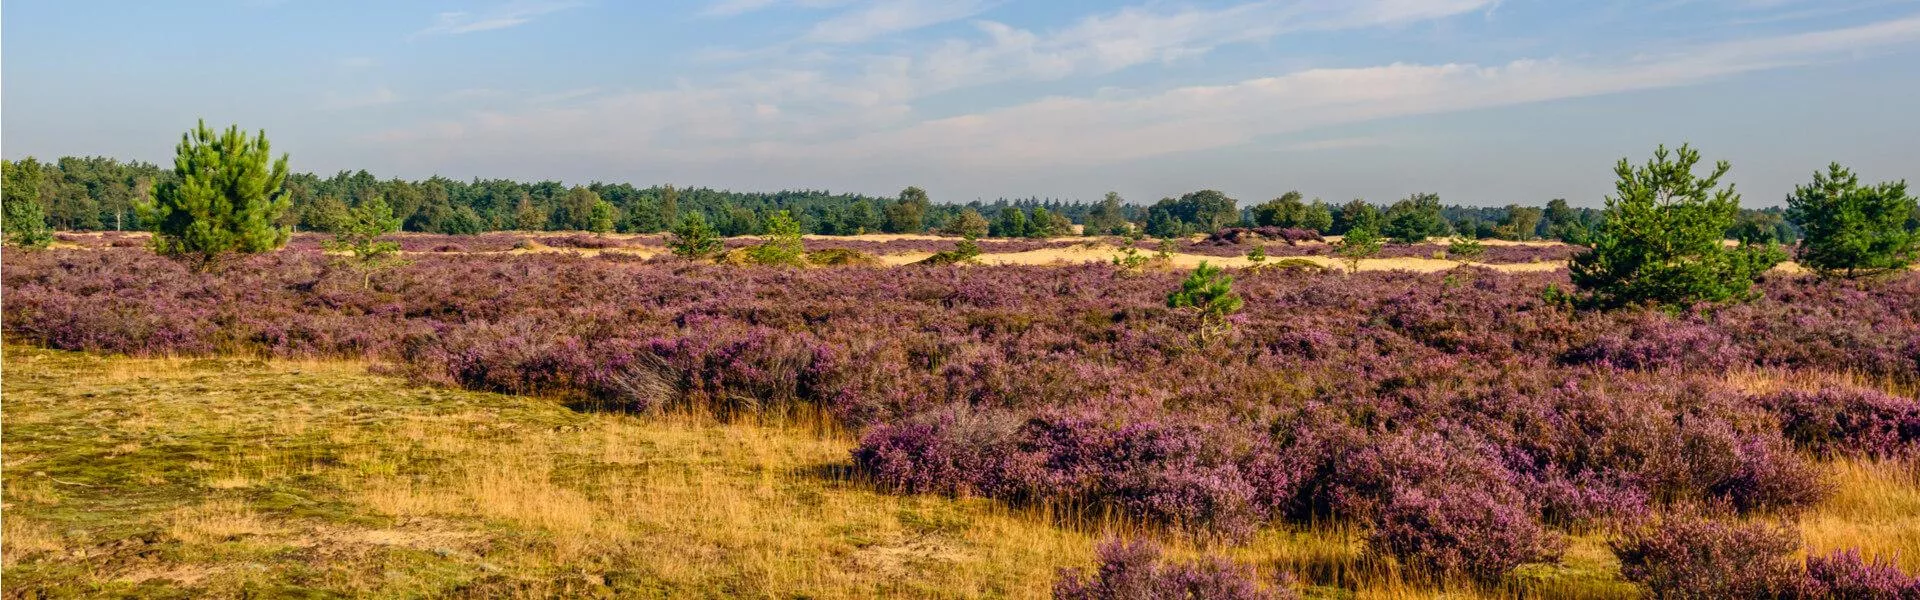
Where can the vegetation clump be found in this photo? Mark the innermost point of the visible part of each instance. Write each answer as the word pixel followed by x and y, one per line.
pixel 694 239
pixel 1853 230
pixel 1661 240
pixel 228 196
pixel 357 233
pixel 25 223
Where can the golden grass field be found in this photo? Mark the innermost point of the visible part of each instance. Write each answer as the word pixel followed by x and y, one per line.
pixel 245 478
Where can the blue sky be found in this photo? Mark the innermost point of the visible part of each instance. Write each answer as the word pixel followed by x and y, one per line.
pixel 1482 101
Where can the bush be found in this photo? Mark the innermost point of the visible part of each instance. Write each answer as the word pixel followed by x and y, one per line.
pixel 1850 230
pixel 1845 574
pixel 1842 421
pixel 1661 240
pixel 1465 529
pixel 842 257
pixel 782 246
pixel 1134 571
pixel 1686 557
pixel 693 238
pixel 963 252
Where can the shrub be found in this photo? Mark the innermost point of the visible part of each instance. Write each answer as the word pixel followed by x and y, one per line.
pixel 782 246
pixel 1686 557
pixel 1464 529
pixel 1661 240
pixel 1844 421
pixel 1851 230
pixel 1845 574
pixel 963 252
pixel 966 223
pixel 1257 255
pixel 227 196
pixel 1135 571
pixel 1359 243
pixel 842 257
pixel 1208 292
pixel 1465 248
pixel 358 232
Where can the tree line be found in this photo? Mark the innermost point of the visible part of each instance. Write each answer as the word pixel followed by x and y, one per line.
pixel 99 193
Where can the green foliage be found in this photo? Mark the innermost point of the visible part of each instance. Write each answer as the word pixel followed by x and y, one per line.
pixel 1413 220
pixel 1107 217
pixel 963 252
pixel 357 232
pixel 782 245
pixel 1165 249
pixel 1208 293
pixel 526 216
pixel 228 196
pixel 25 223
pixel 1257 255
pixel 1465 248
pixel 1358 244
pixel 966 223
pixel 693 238
pixel 1520 223
pixel 908 214
pixel 1286 211
pixel 1358 214
pixel 1661 242
pixel 1853 230
pixel 600 217
pixel 1129 258
pixel 1012 223
pixel 1201 211
pixel 1046 224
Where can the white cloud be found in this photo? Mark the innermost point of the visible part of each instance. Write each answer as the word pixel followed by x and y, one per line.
pixel 805 120
pixel 879 18
pixel 730 8
pixel 499 17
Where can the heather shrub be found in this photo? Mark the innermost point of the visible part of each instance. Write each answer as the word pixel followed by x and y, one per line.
pixel 1846 574
pixel 1135 571
pixel 1654 340
pixel 1846 421
pixel 955 451
pixel 1687 556
pixel 1468 529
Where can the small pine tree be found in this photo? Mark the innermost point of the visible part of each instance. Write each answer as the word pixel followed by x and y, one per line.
pixel 1853 230
pixel 1166 248
pixel 782 245
pixel 1129 258
pixel 600 218
pixel 1662 239
pixel 1358 244
pixel 357 232
pixel 693 238
pixel 227 196
pixel 1208 292
pixel 1257 255
pixel 25 222
pixel 1465 248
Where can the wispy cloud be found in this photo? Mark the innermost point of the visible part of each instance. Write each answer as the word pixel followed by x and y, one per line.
pixel 499 17
pixel 880 18
pixel 730 8
pixel 804 120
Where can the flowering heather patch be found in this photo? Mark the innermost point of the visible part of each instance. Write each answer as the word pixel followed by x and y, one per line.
pixel 1846 574
pixel 1848 421
pixel 1460 414
pixel 1134 571
pixel 1687 557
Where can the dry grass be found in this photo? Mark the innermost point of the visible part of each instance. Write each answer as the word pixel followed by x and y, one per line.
pixel 227 478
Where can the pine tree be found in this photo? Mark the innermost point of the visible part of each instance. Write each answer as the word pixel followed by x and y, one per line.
pixel 1208 292
pixel 357 232
pixel 693 239
pixel 1661 242
pixel 25 222
pixel 227 196
pixel 1852 230
pixel 1357 245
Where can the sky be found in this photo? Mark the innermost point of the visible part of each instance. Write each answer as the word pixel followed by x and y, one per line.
pixel 1485 102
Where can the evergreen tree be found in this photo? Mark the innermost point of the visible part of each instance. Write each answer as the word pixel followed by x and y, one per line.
pixel 1012 223
pixel 693 239
pixel 1661 242
pixel 357 232
pixel 1107 218
pixel 25 224
pixel 1208 293
pixel 1356 245
pixel 1850 230
pixel 1357 214
pixel 228 196
pixel 1465 248
pixel 1413 220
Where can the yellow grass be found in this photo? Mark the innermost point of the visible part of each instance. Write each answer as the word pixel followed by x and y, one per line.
pixel 229 477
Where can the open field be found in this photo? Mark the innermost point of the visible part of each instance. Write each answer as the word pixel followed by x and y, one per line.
pixel 529 424
pixel 222 477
